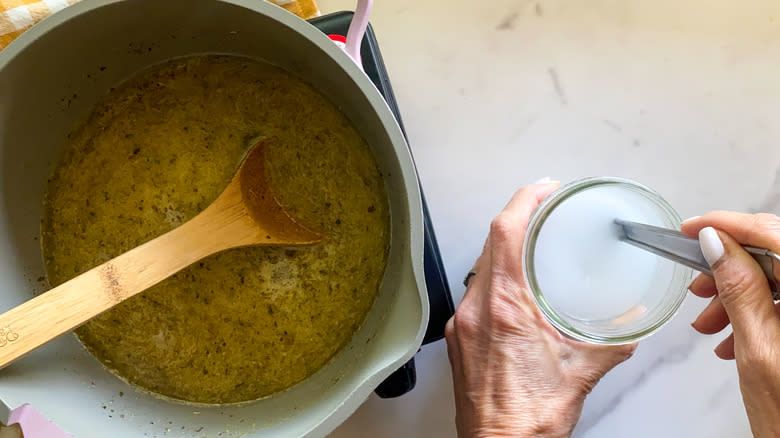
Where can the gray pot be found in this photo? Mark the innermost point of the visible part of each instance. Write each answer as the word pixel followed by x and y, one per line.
pixel 50 78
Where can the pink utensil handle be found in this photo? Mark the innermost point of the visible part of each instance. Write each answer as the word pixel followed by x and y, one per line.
pixel 357 28
pixel 34 424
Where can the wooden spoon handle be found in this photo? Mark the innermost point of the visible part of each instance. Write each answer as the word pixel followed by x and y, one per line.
pixel 43 318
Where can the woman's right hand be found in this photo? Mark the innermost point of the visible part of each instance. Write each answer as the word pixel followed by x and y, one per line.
pixel 741 297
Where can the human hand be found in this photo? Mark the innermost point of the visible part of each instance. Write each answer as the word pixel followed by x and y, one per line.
pixel 740 297
pixel 514 373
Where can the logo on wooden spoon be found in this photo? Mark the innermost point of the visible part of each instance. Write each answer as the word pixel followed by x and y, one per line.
pixel 7 335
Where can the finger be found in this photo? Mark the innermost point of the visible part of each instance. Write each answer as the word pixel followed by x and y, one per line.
pixel 776 270
pixel 742 287
pixel 451 337
pixel 454 355
pixel 725 350
pixel 604 358
pixel 507 231
pixel 703 286
pixel 481 269
pixel 712 319
pixel 761 230
pixel 453 347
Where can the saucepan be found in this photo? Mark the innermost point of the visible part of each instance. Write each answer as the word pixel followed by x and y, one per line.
pixel 50 78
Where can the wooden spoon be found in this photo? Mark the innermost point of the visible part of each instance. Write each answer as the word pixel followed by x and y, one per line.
pixel 245 214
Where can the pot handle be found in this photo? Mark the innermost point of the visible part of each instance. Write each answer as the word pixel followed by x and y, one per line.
pixel 356 30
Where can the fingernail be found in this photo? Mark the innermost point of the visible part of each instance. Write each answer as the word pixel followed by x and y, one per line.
pixel 545 180
pixel 690 219
pixel 711 245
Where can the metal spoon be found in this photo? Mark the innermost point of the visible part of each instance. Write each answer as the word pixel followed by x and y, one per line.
pixel 675 246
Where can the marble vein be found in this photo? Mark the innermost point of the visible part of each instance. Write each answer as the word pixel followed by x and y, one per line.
pixel 674 355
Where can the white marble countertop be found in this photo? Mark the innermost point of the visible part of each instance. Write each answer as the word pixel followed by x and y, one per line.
pixel 682 96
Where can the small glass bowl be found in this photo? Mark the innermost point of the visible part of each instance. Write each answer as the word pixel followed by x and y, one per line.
pixel 656 307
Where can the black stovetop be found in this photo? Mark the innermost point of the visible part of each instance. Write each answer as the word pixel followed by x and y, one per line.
pixel 403 380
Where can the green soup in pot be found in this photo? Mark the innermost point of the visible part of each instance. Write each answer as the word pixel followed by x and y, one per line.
pixel 245 323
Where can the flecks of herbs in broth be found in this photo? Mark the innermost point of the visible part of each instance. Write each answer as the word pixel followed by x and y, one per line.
pixel 244 323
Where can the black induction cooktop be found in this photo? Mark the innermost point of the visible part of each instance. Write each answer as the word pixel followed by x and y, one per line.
pixel 403 379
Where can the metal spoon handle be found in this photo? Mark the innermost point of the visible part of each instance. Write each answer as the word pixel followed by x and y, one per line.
pixel 675 246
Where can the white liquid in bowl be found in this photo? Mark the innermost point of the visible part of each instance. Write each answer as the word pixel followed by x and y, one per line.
pixel 585 272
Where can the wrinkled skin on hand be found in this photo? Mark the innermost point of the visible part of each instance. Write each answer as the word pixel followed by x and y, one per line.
pixel 740 297
pixel 514 374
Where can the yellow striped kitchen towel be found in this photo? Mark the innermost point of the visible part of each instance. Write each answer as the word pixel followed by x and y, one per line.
pixel 16 16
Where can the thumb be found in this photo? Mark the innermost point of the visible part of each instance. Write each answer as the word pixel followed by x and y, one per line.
pixel 742 287
pixel 615 355
pixel 598 360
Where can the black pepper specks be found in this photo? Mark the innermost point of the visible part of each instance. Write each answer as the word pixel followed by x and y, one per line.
pixel 179 143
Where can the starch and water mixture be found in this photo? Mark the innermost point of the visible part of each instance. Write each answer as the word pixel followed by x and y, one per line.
pixel 583 266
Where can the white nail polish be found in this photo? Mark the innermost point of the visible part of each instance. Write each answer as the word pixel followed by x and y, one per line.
pixel 711 245
pixel 691 218
pixel 545 180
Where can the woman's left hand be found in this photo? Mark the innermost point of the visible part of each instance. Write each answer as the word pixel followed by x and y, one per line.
pixel 515 374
